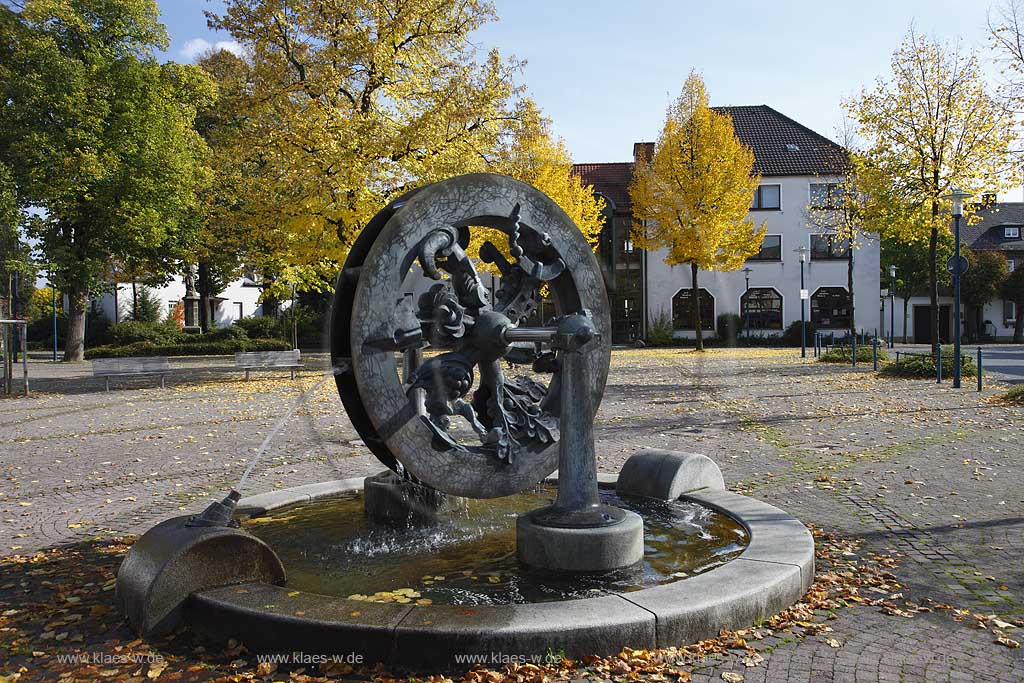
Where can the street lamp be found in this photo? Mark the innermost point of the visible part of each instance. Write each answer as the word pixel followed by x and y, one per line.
pixel 746 301
pixel 957 196
pixel 892 306
pixel 802 250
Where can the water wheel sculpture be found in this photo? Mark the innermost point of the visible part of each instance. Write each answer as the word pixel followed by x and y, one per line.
pixel 420 367
pixel 414 368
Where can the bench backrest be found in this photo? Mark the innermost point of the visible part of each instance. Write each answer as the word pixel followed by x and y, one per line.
pixel 264 359
pixel 130 366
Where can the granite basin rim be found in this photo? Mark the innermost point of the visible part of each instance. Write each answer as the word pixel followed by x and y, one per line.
pixel 771 574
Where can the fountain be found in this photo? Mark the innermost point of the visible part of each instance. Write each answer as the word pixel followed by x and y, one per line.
pixel 454 550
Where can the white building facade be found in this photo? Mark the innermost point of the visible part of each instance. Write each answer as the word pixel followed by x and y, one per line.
pixel 239 300
pixel 799 169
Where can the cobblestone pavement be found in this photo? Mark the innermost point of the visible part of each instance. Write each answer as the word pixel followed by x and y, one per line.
pixel 907 466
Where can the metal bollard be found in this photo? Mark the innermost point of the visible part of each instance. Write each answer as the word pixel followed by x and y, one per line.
pixel 979 368
pixel 938 364
pixel 853 350
pixel 874 354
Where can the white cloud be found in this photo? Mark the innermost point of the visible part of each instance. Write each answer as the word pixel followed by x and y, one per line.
pixel 198 46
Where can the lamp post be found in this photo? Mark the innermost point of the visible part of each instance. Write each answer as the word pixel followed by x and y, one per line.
pixel 892 306
pixel 802 250
pixel 746 301
pixel 957 197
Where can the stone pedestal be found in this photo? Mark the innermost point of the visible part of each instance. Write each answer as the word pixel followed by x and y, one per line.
pixel 389 499
pixel 578 533
pixel 586 549
pixel 191 311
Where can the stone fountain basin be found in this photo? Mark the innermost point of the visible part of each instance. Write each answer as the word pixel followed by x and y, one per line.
pixel 772 573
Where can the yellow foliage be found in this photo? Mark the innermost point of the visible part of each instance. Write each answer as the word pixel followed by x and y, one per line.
pixel 351 104
pixel 694 194
pixel 931 127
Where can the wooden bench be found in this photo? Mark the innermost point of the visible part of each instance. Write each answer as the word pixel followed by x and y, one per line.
pixel 117 367
pixel 268 359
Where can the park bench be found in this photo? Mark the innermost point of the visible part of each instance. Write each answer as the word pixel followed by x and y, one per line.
pixel 118 367
pixel 268 359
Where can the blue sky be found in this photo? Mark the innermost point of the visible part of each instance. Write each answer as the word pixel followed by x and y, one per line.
pixel 605 70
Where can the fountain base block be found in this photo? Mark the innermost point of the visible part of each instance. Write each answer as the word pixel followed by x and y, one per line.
pixel 390 499
pixel 595 549
pixel 173 560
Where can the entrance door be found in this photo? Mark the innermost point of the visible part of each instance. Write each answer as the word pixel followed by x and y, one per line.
pixel 923 324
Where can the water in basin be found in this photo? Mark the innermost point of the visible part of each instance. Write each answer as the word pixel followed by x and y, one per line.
pixel 330 547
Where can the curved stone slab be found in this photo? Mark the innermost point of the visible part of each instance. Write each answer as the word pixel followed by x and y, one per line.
pixel 666 475
pixel 171 561
pixel 771 574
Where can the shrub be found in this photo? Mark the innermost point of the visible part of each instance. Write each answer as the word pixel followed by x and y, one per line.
pixel 660 331
pixel 791 336
pixel 147 308
pixel 728 326
pixel 200 348
pixel 228 333
pixel 131 332
pixel 922 366
pixel 1014 395
pixel 262 327
pixel 843 354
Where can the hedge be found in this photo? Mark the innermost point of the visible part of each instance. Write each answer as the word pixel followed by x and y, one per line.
pixel 922 366
pixel 1015 395
pixel 205 348
pixel 842 354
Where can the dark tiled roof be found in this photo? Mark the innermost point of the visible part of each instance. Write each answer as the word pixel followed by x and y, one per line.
pixel 988 232
pixel 767 132
pixel 783 147
pixel 610 179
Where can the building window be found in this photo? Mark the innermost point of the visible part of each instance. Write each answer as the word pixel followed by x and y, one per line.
pixel 830 308
pixel 826 196
pixel 1011 233
pixel 771 249
pixel 767 197
pixel 239 314
pixel 761 309
pixel 1010 265
pixel 1009 313
pixel 829 248
pixel 682 310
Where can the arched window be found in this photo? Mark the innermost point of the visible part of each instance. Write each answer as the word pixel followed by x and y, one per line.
pixel 682 310
pixel 830 308
pixel 761 309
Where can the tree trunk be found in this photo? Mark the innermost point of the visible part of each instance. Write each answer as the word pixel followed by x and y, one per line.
pixel 1018 325
pixel 849 283
pixel 696 307
pixel 933 266
pixel 204 296
pixel 906 314
pixel 135 299
pixel 933 280
pixel 74 345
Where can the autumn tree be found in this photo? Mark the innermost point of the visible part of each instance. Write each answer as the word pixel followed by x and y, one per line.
pixel 932 126
pixel 223 237
pixel 912 266
pixel 981 284
pixel 352 104
pixel 99 137
pixel 693 195
pixel 1013 290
